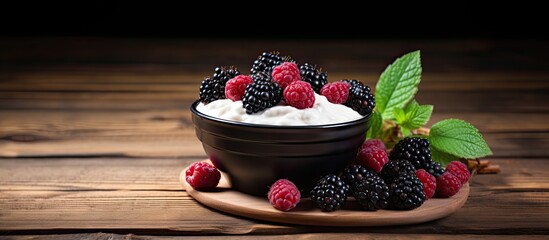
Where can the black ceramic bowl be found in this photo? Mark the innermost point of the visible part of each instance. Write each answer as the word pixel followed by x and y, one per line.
pixel 254 156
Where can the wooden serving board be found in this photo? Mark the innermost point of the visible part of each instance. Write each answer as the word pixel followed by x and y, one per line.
pixel 225 199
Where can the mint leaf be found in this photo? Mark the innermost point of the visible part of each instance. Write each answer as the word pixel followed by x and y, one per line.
pixel 442 157
pixel 412 116
pixel 397 85
pixel 458 138
pixel 376 124
pixel 400 115
pixel 405 131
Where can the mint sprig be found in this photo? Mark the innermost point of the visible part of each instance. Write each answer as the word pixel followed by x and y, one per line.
pixel 412 116
pixel 397 115
pixel 458 138
pixel 397 85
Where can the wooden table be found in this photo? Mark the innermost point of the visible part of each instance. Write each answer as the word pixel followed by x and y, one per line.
pixel 94 132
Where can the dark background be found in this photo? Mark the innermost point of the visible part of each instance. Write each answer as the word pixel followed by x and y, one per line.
pixel 451 19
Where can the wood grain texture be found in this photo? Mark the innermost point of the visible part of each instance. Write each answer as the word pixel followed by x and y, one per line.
pixel 328 236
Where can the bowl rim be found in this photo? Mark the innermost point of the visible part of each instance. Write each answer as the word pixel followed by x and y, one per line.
pixel 194 111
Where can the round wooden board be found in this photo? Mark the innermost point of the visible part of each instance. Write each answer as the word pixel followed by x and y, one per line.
pixel 227 200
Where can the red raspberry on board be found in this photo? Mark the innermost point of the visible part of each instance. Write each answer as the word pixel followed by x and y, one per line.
pixel 202 176
pixel 447 185
pixel 299 94
pixel 374 143
pixel 286 73
pixel 372 158
pixel 336 92
pixel 459 170
pixel 429 182
pixel 235 87
pixel 284 195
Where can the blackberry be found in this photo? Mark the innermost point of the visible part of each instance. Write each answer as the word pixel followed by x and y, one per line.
pixel 266 62
pixel 261 94
pixel 353 82
pixel 414 149
pixel 213 88
pixel 405 192
pixel 314 76
pixel 371 192
pixel 261 77
pixel 360 98
pixel 224 74
pixel 396 168
pixel 433 168
pixel 209 90
pixel 354 174
pixel 330 193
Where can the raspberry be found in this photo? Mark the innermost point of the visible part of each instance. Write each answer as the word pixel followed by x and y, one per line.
pixel 286 73
pixel 459 170
pixel 284 195
pixel 447 185
pixel 202 176
pixel 429 183
pixel 374 143
pixel 300 95
pixel 235 87
pixel 336 93
pixel 372 158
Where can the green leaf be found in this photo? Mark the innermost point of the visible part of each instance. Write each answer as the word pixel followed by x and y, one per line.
pixel 413 115
pixel 400 115
pixel 441 157
pixel 405 131
pixel 376 124
pixel 397 85
pixel 458 138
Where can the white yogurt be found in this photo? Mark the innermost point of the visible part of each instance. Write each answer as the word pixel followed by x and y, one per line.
pixel 323 112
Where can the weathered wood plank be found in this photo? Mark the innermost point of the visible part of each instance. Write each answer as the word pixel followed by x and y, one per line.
pixel 144 196
pixel 448 101
pixel 327 236
pixel 71 174
pixel 170 133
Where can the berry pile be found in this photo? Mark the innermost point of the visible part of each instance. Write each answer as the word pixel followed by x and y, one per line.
pixel 402 180
pixel 275 79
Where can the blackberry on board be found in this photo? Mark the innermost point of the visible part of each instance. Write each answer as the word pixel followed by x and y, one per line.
pixel 213 88
pixel 433 168
pixel 406 192
pixel 396 168
pixel 314 76
pixel 371 192
pixel 261 94
pixel 266 62
pixel 330 193
pixel 360 97
pixel 414 149
pixel 354 174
